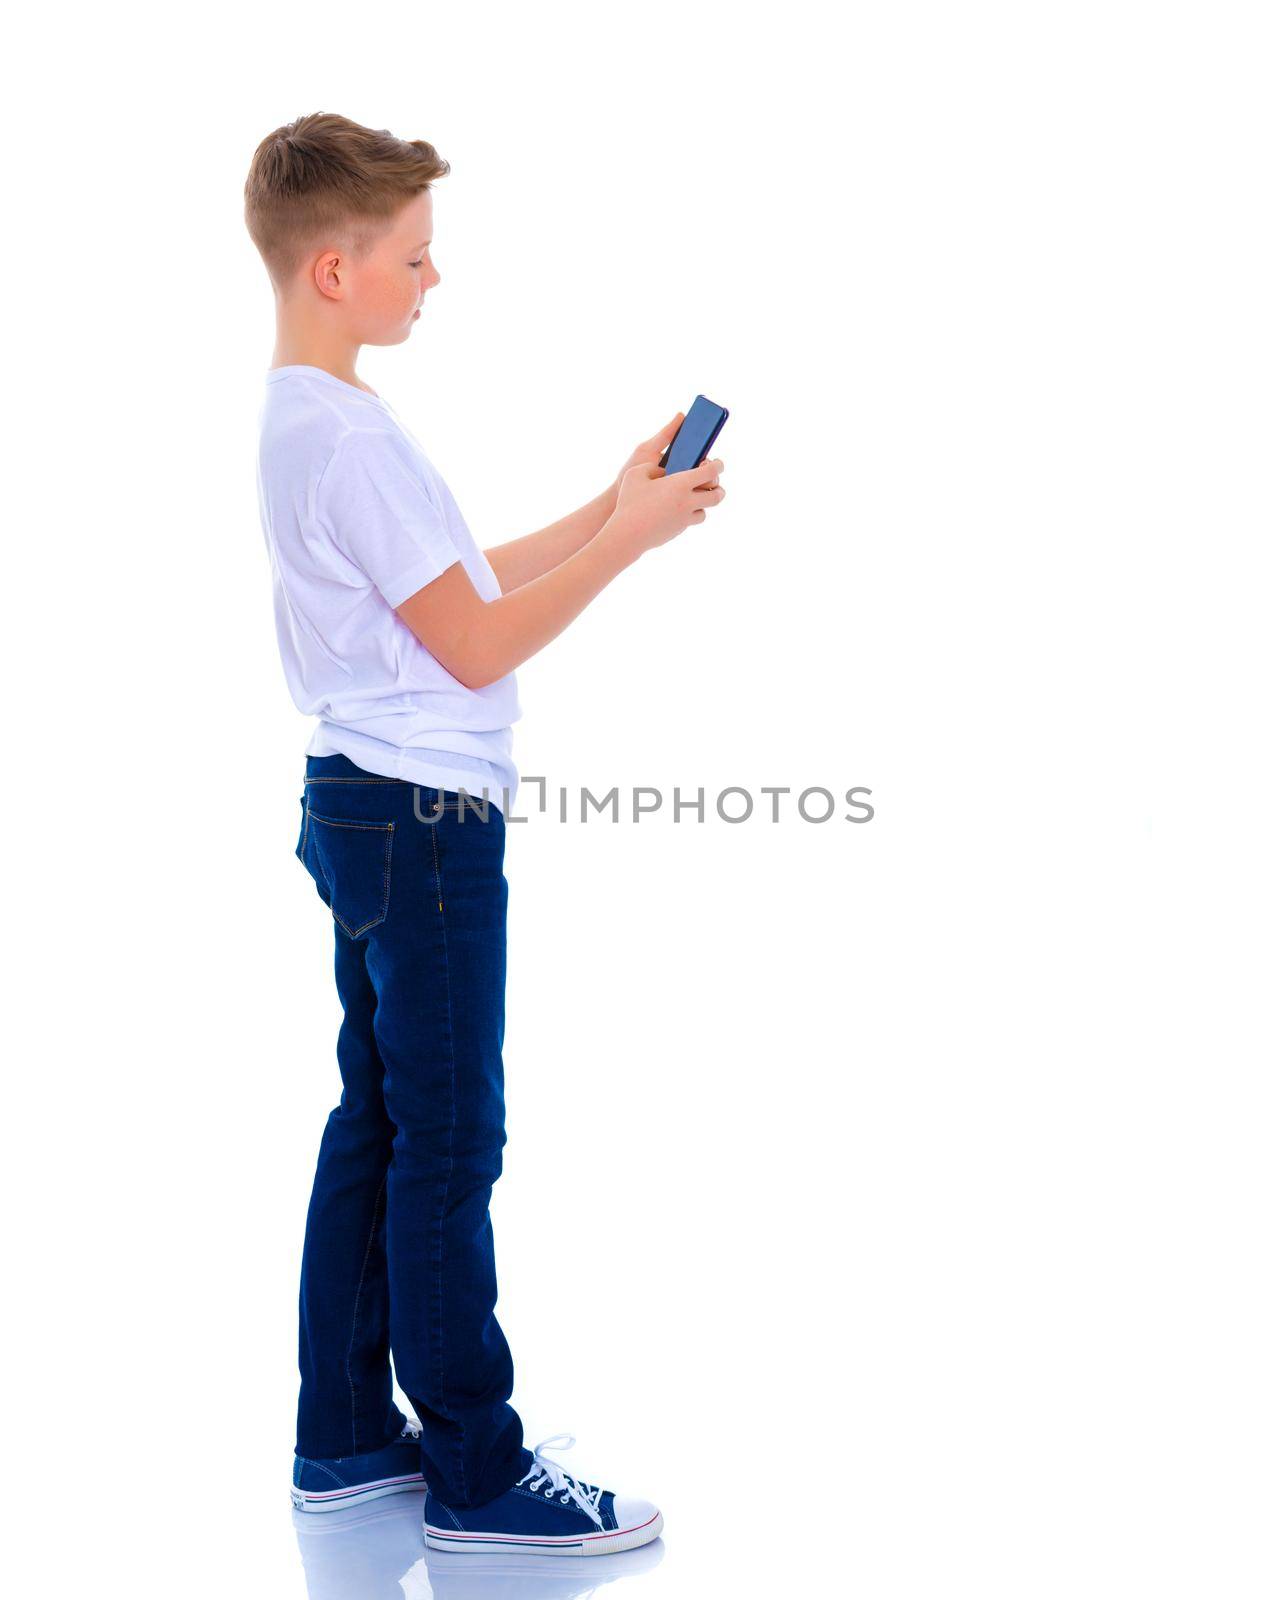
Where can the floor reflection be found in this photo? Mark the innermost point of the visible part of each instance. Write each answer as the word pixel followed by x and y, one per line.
pixel 376 1552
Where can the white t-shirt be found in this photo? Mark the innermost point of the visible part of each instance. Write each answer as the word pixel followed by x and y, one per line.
pixel 356 520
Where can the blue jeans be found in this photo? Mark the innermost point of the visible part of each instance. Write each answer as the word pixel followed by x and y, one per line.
pixel 398 1258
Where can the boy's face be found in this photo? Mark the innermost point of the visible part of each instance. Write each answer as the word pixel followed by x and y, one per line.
pixel 380 294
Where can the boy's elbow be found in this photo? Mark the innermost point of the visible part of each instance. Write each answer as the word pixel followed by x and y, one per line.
pixel 462 657
pixel 477 677
pixel 469 667
pixel 452 623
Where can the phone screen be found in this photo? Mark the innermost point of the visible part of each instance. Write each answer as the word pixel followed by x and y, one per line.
pixel 703 421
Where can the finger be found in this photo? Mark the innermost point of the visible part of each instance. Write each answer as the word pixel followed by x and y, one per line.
pixel 715 494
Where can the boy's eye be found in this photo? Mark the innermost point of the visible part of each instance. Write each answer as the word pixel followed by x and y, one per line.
pixel 416 263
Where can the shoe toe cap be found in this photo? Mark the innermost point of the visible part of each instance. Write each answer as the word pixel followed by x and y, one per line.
pixel 632 1512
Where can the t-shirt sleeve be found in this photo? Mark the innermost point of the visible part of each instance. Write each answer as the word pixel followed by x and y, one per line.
pixel 374 503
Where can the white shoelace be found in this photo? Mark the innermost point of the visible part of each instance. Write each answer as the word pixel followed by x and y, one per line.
pixel 558 1481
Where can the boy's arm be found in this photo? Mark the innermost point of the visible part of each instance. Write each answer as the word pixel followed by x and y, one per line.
pixel 519 561
pixel 478 641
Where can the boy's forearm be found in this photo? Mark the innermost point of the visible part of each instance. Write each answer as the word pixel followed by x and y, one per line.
pixel 517 625
pixel 520 561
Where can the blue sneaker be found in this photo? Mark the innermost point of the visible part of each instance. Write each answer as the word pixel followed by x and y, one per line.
pixel 547 1512
pixel 331 1485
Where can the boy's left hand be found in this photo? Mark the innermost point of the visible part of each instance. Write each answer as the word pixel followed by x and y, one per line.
pixel 649 453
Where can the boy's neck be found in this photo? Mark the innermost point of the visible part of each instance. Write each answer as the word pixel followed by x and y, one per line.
pixel 338 361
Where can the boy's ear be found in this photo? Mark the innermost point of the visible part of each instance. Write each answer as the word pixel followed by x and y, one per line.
pixel 328 272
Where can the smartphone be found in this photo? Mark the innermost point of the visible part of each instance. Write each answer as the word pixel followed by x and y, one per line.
pixel 698 432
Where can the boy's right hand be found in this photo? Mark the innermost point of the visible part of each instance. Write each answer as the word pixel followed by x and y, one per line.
pixel 654 506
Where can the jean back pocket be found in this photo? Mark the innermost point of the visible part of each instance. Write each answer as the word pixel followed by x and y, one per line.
pixel 351 864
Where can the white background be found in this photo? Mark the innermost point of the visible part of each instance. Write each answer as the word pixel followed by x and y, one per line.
pixel 893 1204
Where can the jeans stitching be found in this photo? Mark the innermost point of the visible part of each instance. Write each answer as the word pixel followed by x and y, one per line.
pixel 345 822
pixel 389 829
pixel 355 1311
pixel 453 1117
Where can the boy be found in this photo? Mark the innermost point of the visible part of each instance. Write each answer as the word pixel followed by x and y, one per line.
pixel 402 637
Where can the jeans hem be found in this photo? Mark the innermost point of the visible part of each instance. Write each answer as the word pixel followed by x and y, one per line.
pixel 373 1449
pixel 520 1464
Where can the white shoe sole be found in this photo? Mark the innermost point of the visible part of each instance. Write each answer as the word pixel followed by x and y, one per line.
pixel 605 1543
pixel 340 1499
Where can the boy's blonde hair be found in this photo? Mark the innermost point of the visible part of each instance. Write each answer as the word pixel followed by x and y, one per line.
pixel 325 177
